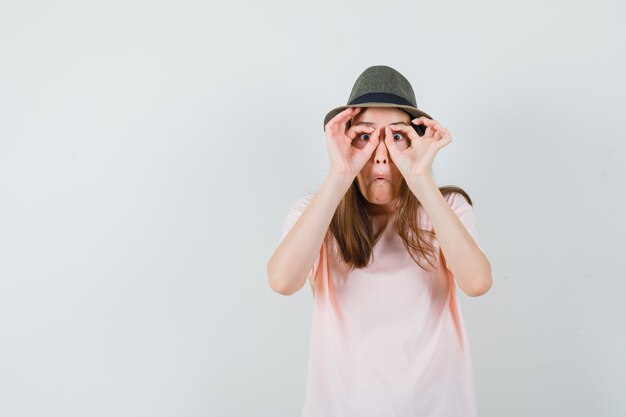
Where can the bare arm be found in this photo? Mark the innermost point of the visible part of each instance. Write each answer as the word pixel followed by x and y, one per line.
pixel 463 256
pixel 294 256
pixel 291 261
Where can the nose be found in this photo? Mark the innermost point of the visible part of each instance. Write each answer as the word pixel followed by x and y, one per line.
pixel 381 155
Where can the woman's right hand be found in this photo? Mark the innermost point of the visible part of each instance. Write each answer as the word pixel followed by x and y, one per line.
pixel 345 159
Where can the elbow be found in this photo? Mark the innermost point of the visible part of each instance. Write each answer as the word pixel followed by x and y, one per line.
pixel 476 283
pixel 481 287
pixel 277 285
pixel 483 282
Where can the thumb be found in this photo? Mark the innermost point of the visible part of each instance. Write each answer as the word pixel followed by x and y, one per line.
pixel 372 143
pixel 391 145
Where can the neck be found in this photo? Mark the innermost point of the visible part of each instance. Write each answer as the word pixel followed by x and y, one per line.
pixel 383 209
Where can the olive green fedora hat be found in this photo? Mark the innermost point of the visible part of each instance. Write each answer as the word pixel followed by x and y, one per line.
pixel 380 86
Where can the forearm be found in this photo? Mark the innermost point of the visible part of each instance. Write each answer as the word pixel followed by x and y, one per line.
pixel 288 267
pixel 464 258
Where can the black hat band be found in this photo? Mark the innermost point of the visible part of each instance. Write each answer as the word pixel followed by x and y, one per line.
pixel 380 98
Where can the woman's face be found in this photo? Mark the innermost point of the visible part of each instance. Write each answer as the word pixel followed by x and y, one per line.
pixel 385 191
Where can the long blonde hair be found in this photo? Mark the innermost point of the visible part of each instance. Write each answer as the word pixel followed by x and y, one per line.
pixel 351 226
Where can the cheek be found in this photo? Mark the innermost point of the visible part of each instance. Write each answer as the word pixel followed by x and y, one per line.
pixel 359 182
pixel 397 176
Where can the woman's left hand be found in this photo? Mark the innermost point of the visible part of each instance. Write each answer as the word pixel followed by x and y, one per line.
pixel 418 158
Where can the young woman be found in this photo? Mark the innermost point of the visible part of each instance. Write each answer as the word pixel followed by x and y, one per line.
pixel 382 246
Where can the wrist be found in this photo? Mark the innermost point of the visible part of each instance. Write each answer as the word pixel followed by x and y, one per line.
pixel 339 182
pixel 421 183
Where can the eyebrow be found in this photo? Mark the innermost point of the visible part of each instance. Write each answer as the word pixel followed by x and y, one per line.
pixel 371 124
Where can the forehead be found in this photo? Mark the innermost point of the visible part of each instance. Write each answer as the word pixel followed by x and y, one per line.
pixel 381 115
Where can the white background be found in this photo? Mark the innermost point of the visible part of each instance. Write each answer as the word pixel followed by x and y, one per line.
pixel 149 152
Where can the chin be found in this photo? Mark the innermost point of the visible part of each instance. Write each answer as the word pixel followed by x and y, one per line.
pixel 380 196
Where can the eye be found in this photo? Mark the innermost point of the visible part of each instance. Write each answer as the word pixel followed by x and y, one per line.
pixel 398 136
pixel 364 134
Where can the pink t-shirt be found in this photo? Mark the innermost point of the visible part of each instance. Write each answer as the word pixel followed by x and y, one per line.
pixel 389 339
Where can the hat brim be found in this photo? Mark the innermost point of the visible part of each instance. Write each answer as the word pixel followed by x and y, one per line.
pixel 413 111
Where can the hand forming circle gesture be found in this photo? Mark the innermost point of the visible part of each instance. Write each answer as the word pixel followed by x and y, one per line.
pixel 345 159
pixel 418 158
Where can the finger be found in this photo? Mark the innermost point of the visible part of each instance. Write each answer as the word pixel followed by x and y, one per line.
pixel 432 126
pixel 391 145
pixel 409 132
pixel 342 118
pixel 371 144
pixel 354 131
pixel 428 123
pixel 445 133
pixel 439 131
pixel 424 120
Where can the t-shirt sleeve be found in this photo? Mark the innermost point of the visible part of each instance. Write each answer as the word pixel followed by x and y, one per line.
pixel 294 213
pixel 465 213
